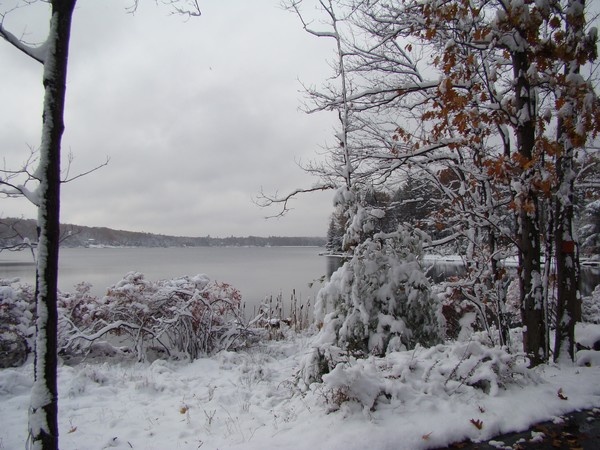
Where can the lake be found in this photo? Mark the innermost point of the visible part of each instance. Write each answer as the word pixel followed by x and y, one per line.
pixel 257 272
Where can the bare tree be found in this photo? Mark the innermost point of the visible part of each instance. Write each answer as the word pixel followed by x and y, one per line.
pixel 53 54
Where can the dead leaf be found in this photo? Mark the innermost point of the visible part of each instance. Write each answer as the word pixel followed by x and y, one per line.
pixel 561 395
pixel 477 423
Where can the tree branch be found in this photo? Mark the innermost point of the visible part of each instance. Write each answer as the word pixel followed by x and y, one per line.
pixel 37 53
pixel 265 201
pixel 68 179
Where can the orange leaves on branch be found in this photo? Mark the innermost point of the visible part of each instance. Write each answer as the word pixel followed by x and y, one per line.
pixel 430 33
pixel 522 162
pixel 545 186
pixel 497 168
pixel 481 33
pixel 428 115
pixel 554 23
pixel 529 207
pixel 449 62
pixel 559 103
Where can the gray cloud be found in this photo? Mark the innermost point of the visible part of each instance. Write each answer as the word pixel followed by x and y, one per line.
pixel 195 116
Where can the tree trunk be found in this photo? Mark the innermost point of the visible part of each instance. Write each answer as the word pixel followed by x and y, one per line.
pixel 528 230
pixel 43 415
pixel 568 304
pixel 568 307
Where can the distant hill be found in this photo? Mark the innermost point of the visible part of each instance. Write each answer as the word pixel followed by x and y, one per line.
pixel 13 231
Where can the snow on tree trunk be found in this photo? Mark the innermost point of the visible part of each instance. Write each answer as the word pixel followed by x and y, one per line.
pixel 528 216
pixel 567 260
pixel 43 414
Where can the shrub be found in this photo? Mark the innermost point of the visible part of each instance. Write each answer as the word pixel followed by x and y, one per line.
pixel 380 300
pixel 462 368
pixel 590 308
pixel 17 325
pixel 190 316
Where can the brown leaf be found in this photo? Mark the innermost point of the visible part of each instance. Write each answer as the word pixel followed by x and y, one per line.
pixel 477 423
pixel 561 395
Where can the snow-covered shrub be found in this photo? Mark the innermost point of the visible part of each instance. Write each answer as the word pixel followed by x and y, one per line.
pixel 17 326
pixel 590 308
pixel 320 359
pixel 76 311
pixel 189 315
pixel 17 306
pixel 380 300
pixel 589 229
pixel 462 368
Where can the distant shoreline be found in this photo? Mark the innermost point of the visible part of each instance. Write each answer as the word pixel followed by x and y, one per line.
pixel 83 236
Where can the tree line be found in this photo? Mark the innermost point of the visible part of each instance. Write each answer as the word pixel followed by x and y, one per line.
pixel 20 234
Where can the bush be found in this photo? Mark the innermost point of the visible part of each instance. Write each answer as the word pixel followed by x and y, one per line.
pixel 190 316
pixel 17 327
pixel 590 308
pixel 463 368
pixel 380 300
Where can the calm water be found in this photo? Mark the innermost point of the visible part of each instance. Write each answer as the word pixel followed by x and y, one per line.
pixel 257 272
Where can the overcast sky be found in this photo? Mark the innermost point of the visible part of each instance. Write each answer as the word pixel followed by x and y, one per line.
pixel 196 116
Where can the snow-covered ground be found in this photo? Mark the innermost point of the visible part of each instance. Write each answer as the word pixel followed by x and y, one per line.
pixel 250 400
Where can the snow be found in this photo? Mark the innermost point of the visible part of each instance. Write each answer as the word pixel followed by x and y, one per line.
pixel 251 400
pixel 588 335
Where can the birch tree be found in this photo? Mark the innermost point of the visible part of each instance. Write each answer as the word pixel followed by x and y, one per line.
pixel 53 54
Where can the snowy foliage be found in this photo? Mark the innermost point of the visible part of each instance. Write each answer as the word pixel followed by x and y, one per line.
pixel 591 307
pixel 17 308
pixel 377 302
pixel 443 370
pixel 589 231
pixel 16 323
pixel 189 316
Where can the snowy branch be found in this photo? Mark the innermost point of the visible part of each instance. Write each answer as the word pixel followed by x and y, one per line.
pixel 38 53
pixel 186 8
